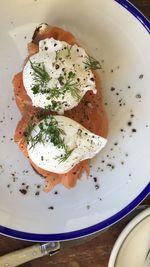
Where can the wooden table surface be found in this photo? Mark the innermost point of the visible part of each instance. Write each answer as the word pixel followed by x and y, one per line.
pixel 94 253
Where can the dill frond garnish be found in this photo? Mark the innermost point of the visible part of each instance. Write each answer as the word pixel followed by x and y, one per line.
pixel 92 63
pixel 65 156
pixel 28 131
pixel 71 86
pixel 48 131
pixel 68 84
pixel 40 76
pixel 54 106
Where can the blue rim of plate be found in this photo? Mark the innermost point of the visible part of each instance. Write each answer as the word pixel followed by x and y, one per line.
pixel 79 233
pixel 113 219
pixel 136 13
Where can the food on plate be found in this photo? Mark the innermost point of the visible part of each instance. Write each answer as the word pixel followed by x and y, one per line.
pixel 57 72
pixel 56 144
pixel 59 77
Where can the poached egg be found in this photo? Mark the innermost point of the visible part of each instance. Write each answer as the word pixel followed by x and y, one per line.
pixel 58 143
pixel 58 76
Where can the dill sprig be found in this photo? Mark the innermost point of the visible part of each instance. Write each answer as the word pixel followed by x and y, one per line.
pixel 68 84
pixel 92 63
pixel 71 86
pixel 28 131
pixel 54 105
pixel 40 76
pixel 53 93
pixel 48 131
pixel 65 156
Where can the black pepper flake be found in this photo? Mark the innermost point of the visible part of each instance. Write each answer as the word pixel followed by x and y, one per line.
pixel 134 130
pixel 8 185
pixel 55 44
pixel 88 207
pixel 23 191
pixel 111 70
pixel 121 130
pixel 92 79
pixel 115 144
pixel 51 208
pixel 56 192
pixel 57 66
pixel 95 179
pixel 96 186
pixel 129 123
pixel 132 115
pixel 77 50
pixel 102 161
pixel 42 158
pixel 111 166
pixel 112 88
pixel 129 86
pixel 46 48
pixel 37 193
pixel 141 76
pixel 138 96
pixel 38 186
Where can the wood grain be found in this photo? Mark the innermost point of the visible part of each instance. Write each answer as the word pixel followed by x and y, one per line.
pixel 94 253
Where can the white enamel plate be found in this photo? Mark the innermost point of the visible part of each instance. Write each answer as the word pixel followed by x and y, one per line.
pixel 120 174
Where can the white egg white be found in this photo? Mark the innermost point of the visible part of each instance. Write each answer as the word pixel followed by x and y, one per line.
pixel 59 59
pixel 83 143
